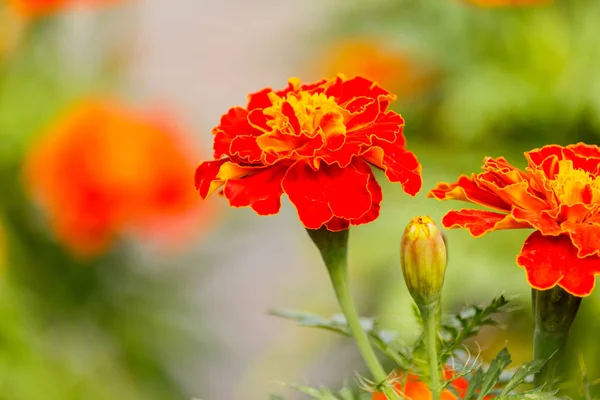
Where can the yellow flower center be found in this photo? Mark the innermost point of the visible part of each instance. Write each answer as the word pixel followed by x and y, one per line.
pixel 300 116
pixel 572 186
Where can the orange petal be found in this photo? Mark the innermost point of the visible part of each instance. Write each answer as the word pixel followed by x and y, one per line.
pixel 585 237
pixel 466 189
pixel 480 222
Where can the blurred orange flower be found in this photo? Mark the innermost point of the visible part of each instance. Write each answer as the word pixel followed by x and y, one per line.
pixel 35 8
pixel 558 195
pixel 412 388
pixel 12 27
pixel 369 58
pixel 509 3
pixel 102 170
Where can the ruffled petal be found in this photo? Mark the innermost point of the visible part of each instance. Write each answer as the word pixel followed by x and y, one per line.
pixel 466 189
pixel 345 90
pixel 376 195
pixel 552 260
pixel 262 190
pixel 585 237
pixel 387 127
pixel 538 220
pixel 480 222
pixel 211 175
pixel 399 164
pixel 321 195
pixel 234 123
pixel 537 156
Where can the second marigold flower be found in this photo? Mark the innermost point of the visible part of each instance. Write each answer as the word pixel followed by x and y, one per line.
pixel 315 143
pixel 558 195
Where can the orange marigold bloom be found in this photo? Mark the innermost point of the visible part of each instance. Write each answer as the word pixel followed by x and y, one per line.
pixel 34 8
pixel 509 3
pixel 558 195
pixel 315 143
pixel 102 170
pixel 392 69
pixel 412 388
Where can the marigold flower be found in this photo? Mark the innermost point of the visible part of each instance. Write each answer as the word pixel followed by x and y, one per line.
pixel 411 387
pixel 36 8
pixel 558 195
pixel 509 3
pixel 102 170
pixel 391 69
pixel 315 143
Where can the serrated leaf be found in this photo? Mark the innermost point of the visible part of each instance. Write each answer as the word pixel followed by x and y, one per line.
pixel 492 375
pixel 467 324
pixel 521 374
pixel 534 395
pixel 474 384
pixel 322 393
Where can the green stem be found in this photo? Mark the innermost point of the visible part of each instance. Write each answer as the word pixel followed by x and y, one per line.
pixel 429 315
pixel 554 311
pixel 333 247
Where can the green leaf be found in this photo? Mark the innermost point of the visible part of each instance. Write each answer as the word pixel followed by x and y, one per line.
pixel 381 339
pixel 521 374
pixel 474 384
pixel 324 393
pixel 493 373
pixel 533 395
pixel 466 324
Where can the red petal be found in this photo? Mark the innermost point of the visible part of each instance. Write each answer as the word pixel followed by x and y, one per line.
pixel 584 157
pixel 259 100
pixel 234 123
pixel 336 224
pixel 376 195
pixel 262 191
pixel 480 222
pixel 330 191
pixel 206 174
pixel 399 164
pixel 585 150
pixel 537 156
pixel 245 148
pixel 387 127
pixel 345 90
pixel 552 260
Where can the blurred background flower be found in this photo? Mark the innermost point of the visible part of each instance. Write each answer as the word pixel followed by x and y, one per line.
pixel 102 169
pixel 134 322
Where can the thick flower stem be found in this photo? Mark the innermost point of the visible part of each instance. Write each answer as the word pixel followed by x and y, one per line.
pixel 429 314
pixel 334 249
pixel 554 311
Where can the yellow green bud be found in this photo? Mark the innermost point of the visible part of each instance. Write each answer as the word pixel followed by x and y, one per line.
pixel 423 258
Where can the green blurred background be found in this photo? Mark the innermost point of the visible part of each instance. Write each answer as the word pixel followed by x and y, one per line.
pixel 138 321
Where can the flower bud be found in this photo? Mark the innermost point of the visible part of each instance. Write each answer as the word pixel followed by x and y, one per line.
pixel 423 258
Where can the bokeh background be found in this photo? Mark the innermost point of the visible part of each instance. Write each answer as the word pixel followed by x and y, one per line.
pixel 118 282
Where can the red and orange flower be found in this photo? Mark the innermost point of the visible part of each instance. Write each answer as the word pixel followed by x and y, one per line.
pixel 413 388
pixel 102 171
pixel 315 143
pixel 509 3
pixel 390 68
pixel 36 8
pixel 558 195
